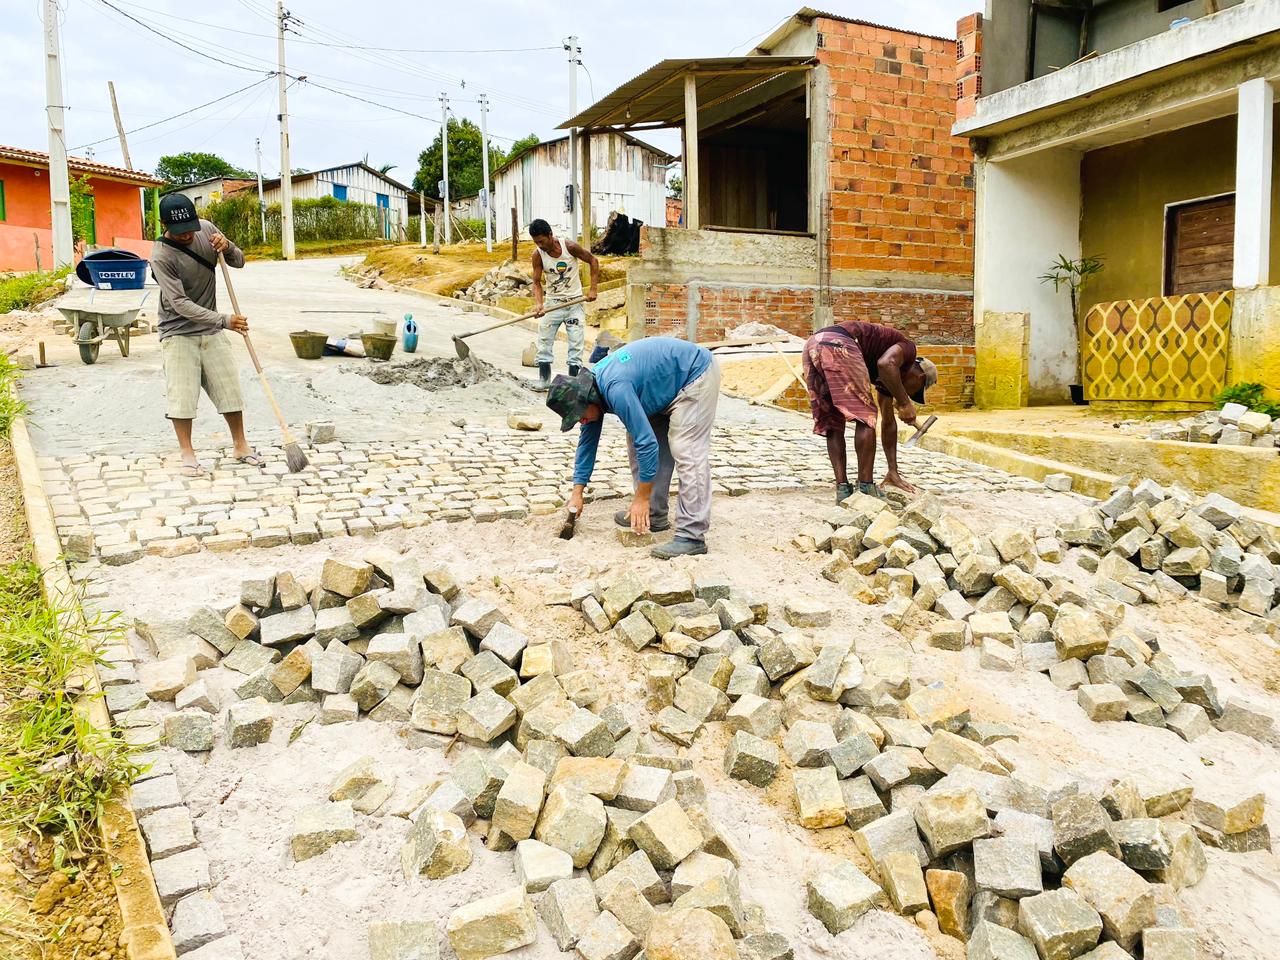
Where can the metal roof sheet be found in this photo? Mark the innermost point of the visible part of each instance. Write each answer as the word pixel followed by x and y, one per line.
pixel 79 165
pixel 657 95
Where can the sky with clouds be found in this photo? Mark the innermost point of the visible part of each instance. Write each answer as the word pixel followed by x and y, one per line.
pixel 374 69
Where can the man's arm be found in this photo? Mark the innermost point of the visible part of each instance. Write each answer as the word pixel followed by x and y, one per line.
pixel 889 369
pixel 221 244
pixel 584 461
pixel 537 283
pixel 590 259
pixel 889 440
pixel 175 295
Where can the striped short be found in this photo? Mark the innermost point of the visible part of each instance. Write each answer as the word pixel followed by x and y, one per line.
pixel 194 362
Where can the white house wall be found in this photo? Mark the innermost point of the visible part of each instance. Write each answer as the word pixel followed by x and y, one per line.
pixel 1028 214
pixel 623 178
pixel 362 187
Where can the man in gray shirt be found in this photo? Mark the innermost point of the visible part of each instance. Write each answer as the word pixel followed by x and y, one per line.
pixel 195 349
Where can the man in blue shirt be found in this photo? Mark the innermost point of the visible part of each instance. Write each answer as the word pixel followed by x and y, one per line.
pixel 664 391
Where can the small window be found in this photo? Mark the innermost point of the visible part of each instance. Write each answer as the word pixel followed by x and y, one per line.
pixel 1 200
pixel 1164 5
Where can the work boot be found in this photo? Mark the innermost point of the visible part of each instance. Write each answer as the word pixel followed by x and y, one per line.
pixel 843 492
pixel 656 524
pixel 679 547
pixel 573 370
pixel 871 490
pixel 544 378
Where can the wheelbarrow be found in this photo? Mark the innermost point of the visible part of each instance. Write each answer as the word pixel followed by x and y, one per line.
pixel 98 315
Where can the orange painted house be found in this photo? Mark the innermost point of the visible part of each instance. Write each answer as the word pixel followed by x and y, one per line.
pixel 25 220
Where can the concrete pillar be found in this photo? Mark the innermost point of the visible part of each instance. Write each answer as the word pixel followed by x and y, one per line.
pixel 692 214
pixel 1252 250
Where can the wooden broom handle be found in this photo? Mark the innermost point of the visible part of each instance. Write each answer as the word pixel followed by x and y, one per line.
pixel 253 354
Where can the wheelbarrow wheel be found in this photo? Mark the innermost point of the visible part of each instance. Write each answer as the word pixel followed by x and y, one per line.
pixel 88 351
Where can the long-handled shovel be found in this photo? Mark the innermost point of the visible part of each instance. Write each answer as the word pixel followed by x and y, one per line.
pixel 464 351
pixel 293 455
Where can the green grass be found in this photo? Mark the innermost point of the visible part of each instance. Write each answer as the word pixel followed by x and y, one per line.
pixel 11 406
pixel 56 768
pixel 23 291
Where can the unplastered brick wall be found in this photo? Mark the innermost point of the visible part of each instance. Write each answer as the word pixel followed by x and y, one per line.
pixel 901 186
pixel 954 388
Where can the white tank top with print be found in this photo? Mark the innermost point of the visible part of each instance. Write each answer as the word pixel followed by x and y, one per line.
pixel 561 277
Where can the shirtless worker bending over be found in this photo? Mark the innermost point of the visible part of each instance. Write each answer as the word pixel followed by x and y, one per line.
pixel 860 371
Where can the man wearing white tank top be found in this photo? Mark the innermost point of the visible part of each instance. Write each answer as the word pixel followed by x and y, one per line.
pixel 555 264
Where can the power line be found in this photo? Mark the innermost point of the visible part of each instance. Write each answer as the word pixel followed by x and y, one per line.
pixel 148 27
pixel 342 46
pixel 157 123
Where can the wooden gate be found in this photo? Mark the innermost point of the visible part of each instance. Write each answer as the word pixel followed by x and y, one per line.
pixel 1169 351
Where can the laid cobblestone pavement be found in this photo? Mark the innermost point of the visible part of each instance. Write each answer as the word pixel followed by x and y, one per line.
pixel 120 509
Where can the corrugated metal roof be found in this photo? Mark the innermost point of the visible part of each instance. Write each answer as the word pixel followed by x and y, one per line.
pixel 657 95
pixel 80 165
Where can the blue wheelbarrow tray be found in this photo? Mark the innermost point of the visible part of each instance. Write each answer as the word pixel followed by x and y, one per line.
pixel 97 315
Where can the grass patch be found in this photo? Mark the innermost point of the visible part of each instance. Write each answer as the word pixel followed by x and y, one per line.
pixel 22 291
pixel 11 405
pixel 56 768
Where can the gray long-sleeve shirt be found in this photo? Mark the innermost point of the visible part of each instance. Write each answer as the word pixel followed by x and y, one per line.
pixel 189 292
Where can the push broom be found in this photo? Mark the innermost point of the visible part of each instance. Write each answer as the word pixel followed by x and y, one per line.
pixel 293 455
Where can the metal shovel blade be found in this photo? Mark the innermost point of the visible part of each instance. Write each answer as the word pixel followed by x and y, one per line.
pixel 461 347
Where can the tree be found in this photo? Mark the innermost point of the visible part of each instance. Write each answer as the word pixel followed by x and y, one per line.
pixel 527 142
pixel 466 172
pixel 675 187
pixel 184 168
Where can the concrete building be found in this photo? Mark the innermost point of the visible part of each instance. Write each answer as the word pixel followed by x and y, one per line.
pixel 212 190
pixel 356 183
pixel 26 227
pixel 1140 133
pixel 821 182
pixel 626 175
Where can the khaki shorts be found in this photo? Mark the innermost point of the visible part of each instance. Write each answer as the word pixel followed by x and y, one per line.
pixel 194 362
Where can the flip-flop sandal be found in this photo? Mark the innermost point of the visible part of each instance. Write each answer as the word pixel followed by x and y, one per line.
pixel 250 459
pixel 192 471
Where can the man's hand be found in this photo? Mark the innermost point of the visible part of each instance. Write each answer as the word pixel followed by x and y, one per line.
pixel 539 309
pixel 220 243
pixel 238 323
pixel 906 412
pixel 640 515
pixel 575 503
pixel 592 294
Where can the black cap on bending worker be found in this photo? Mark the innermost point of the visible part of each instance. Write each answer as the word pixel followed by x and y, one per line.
pixel 178 214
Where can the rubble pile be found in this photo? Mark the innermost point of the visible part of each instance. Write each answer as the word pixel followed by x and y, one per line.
pixel 507 280
pixel 1234 425
pixel 366 277
pixel 999 592
pixel 963 831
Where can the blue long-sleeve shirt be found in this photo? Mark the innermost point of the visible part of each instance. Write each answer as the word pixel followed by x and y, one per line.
pixel 638 381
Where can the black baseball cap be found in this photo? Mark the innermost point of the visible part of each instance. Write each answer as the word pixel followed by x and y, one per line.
pixel 178 214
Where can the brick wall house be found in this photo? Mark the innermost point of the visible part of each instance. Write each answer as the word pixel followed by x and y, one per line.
pixel 26 227
pixel 828 187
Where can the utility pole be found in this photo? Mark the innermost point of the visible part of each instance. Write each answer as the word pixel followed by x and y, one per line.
pixel 115 110
pixel 286 170
pixel 262 203
pixel 444 189
pixel 487 204
pixel 422 217
pixel 575 52
pixel 59 178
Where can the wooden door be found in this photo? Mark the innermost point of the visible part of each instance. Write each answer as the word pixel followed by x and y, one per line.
pixel 1199 246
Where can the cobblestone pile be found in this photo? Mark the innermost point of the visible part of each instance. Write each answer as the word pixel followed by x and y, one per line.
pixel 1234 425
pixel 121 508
pixel 1012 857
pixel 1003 592
pixel 507 280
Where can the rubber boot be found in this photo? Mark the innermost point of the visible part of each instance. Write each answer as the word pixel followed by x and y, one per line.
pixel 544 378
pixel 573 369
pixel 871 490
